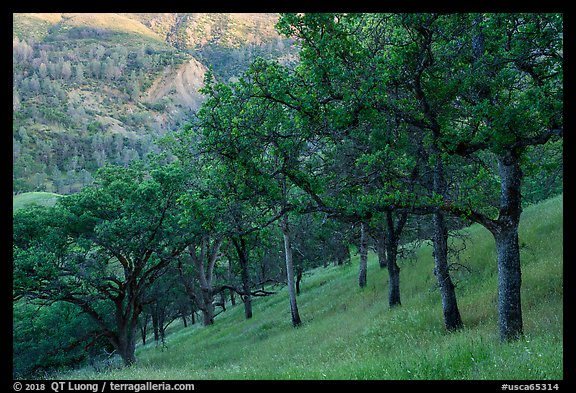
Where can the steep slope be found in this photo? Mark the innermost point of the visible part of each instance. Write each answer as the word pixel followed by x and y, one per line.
pixel 97 88
pixel 350 333
pixel 179 84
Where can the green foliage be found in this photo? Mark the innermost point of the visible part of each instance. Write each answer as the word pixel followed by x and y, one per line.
pixel 101 248
pixel 55 337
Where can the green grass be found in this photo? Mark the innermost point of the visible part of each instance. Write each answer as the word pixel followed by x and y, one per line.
pixel 34 198
pixel 350 333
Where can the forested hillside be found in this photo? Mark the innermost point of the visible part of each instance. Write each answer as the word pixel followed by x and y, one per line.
pixel 91 89
pixel 211 162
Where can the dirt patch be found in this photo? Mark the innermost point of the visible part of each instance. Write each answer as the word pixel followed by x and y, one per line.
pixel 180 84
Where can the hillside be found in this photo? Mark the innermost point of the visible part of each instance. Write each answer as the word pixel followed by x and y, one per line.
pixel 97 88
pixel 180 84
pixel 350 333
pixel 194 31
pixel 34 198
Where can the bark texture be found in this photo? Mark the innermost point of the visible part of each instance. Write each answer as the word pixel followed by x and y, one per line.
pixel 363 269
pixel 508 251
pixel 284 225
pixel 242 251
pixel 392 240
pixel 450 311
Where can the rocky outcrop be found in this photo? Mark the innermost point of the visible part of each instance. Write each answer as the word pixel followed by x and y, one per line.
pixel 179 84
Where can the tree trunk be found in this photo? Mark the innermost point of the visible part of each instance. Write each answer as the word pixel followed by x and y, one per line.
pixel 342 254
pixel 155 325
pixel 144 328
pixel 125 341
pixel 392 240
pixel 381 249
pixel 347 256
pixel 299 272
pixel 247 301
pixel 208 316
pixel 509 283
pixel 363 269
pixel 232 297
pixel 241 250
pixel 507 249
pixel 452 319
pixel 223 300
pixel 207 306
pixel 290 271
pixel 394 280
pixel 205 268
pixel 505 229
pixel 143 334
pixel 161 319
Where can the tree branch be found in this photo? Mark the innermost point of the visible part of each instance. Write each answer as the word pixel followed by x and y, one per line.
pixel 539 139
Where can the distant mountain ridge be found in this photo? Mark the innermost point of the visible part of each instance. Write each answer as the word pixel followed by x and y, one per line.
pixel 184 31
pixel 193 31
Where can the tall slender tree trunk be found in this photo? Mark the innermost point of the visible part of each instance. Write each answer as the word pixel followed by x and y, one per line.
pixel 232 297
pixel 155 325
pixel 144 328
pixel 452 319
pixel 450 311
pixel 363 269
pixel 508 251
pixel 392 240
pixel 161 325
pixel 394 278
pixel 284 225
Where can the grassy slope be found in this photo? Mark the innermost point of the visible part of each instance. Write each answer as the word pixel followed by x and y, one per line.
pixel 34 198
pixel 350 333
